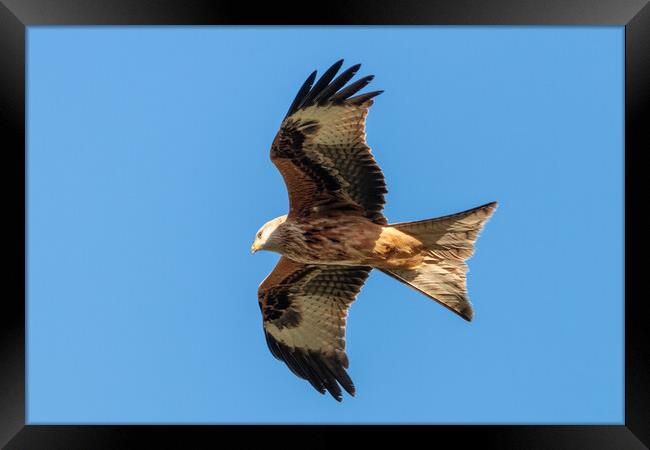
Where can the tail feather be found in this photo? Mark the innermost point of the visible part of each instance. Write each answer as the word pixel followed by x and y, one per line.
pixel 449 241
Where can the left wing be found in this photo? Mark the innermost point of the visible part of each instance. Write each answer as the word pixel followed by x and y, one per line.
pixel 321 149
pixel 304 310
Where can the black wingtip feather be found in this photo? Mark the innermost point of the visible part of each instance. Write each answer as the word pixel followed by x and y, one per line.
pixel 341 376
pixel 330 90
pixel 314 378
pixel 322 83
pixel 361 99
pixel 352 89
pixel 337 84
pixel 325 376
pixel 302 93
pixel 322 372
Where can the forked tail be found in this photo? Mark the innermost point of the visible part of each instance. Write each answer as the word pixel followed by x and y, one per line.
pixel 449 241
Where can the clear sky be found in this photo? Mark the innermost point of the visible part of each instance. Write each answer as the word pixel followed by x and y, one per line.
pixel 148 176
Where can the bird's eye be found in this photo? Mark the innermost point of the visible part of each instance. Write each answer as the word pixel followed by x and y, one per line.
pixel 259 234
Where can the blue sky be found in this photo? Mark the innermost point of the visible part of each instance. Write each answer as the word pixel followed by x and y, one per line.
pixel 148 176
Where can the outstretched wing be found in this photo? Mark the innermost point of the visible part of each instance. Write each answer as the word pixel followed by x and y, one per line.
pixel 321 149
pixel 304 310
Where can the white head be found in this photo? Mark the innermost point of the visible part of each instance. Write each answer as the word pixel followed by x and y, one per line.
pixel 264 239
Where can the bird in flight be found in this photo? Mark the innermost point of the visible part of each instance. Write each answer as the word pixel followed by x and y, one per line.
pixel 335 233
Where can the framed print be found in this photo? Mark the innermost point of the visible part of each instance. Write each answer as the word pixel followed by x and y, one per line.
pixel 424 135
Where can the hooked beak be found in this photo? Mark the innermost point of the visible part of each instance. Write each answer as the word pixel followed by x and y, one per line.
pixel 255 247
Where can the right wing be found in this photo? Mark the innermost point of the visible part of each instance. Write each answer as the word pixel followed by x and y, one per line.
pixel 304 310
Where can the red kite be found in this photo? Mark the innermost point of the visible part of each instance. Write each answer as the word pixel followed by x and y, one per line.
pixel 335 233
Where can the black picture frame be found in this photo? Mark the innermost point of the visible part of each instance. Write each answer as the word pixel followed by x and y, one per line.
pixel 16 15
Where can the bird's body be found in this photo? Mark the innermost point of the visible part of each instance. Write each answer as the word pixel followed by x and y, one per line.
pixel 347 240
pixel 335 233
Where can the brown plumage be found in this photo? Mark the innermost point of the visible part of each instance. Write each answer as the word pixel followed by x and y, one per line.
pixel 335 233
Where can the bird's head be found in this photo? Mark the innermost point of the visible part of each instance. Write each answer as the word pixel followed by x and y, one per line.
pixel 265 239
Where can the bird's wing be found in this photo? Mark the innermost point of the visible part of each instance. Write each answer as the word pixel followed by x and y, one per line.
pixel 321 149
pixel 304 310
